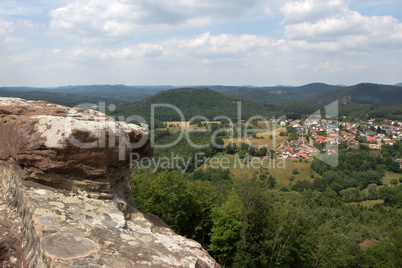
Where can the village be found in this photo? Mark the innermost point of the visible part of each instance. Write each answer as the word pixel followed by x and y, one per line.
pixel 315 136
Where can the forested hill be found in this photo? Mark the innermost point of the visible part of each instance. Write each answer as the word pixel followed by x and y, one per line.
pixel 121 92
pixel 278 94
pixel 193 102
pixel 59 98
pixel 364 93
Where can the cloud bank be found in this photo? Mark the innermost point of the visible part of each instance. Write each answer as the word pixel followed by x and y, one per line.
pixel 198 42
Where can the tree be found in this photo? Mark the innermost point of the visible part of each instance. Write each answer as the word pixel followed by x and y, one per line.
pixel 230 148
pixel 336 250
pixel 225 232
pixel 272 154
pixel 391 196
pixel 263 151
pixel 184 205
pixel 252 151
pixel 372 191
pixel 351 195
pixel 271 182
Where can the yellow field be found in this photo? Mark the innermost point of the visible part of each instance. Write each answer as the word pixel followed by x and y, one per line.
pixel 281 169
pixel 266 141
pixel 185 124
pixel 177 123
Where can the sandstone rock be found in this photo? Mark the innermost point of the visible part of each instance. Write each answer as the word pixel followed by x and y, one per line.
pixel 65 193
pixel 50 138
pixel 82 149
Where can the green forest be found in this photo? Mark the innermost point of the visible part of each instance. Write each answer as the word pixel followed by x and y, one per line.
pixel 250 225
pixel 253 223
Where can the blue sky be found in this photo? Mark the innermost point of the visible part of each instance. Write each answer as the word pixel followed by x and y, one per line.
pixel 194 42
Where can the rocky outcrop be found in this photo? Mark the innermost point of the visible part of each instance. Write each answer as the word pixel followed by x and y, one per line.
pixel 65 193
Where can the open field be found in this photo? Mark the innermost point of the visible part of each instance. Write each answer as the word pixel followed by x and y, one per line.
pixel 266 141
pixel 185 123
pixel 281 169
pixel 177 124
pixel 389 176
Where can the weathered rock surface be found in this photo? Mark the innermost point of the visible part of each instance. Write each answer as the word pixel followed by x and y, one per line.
pixel 52 138
pixel 69 206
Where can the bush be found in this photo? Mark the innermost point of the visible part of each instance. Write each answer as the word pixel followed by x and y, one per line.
pixel 394 181
pixel 292 178
pixel 400 179
pixel 284 189
pixel 295 171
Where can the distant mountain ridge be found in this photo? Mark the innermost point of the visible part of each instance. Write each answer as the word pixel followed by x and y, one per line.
pixel 277 94
pixel 122 92
pixel 365 93
pixel 137 93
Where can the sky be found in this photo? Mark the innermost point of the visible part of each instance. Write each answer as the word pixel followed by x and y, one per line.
pixel 48 43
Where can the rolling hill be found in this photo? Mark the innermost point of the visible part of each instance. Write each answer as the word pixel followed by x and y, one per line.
pixel 278 94
pixel 364 93
pixel 193 102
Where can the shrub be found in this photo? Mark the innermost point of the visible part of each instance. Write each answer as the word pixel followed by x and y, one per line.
pixel 295 171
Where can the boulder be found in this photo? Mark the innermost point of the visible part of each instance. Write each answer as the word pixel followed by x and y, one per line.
pixel 50 138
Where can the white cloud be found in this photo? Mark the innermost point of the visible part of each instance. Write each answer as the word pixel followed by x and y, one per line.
pixel 225 45
pixel 310 10
pixel 205 47
pixel 7 38
pixel 91 19
pixel 16 8
pixel 333 26
pixel 5 27
pixel 328 67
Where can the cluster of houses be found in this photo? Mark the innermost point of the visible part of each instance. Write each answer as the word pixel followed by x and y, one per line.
pixel 332 132
pixel 296 150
